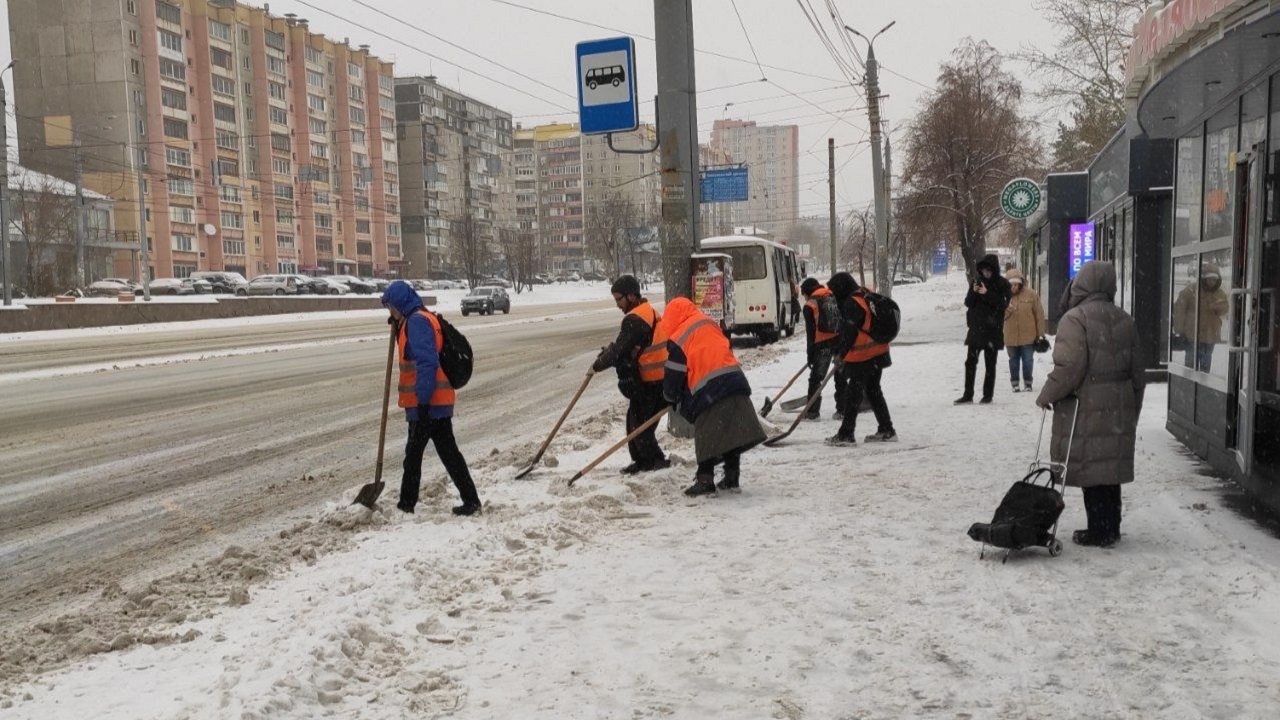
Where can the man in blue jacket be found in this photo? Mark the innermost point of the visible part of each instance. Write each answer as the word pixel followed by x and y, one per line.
pixel 427 399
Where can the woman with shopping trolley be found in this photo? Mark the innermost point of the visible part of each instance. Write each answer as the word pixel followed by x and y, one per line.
pixel 1095 365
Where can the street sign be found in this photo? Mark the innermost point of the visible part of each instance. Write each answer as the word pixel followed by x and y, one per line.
pixel 724 185
pixel 1020 198
pixel 941 259
pixel 607 86
pixel 1082 249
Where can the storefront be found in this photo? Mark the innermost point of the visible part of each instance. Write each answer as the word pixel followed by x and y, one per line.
pixel 1053 235
pixel 1213 88
pixel 1130 197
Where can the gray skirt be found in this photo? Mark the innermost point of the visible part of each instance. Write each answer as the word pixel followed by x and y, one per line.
pixel 728 425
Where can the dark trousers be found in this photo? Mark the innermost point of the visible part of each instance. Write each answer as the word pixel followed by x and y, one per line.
pixel 971 371
pixel 817 373
pixel 863 378
pixel 1022 361
pixel 1102 508
pixel 441 431
pixel 645 403
pixel 732 461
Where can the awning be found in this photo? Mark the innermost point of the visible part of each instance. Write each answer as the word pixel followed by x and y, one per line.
pixel 1197 86
pixel 344 261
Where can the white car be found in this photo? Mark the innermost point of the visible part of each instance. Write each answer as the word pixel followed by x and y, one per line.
pixel 111 287
pixel 179 286
pixel 334 287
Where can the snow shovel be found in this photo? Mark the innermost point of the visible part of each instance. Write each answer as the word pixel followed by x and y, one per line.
pixel 368 494
pixel 768 402
pixel 547 443
pixel 634 433
pixel 800 418
pixel 793 404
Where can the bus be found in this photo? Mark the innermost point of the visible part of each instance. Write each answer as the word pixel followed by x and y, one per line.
pixel 766 285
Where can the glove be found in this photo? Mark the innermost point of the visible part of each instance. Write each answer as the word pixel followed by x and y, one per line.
pixel 600 363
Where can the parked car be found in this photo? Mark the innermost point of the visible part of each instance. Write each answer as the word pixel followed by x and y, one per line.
pixel 110 287
pixel 495 282
pixel 379 283
pixel 903 278
pixel 593 276
pixel 485 300
pixel 355 284
pixel 422 285
pixel 541 279
pixel 178 286
pixel 224 283
pixel 276 285
pixel 329 286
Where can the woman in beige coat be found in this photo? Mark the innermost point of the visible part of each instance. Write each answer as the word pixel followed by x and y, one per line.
pixel 1094 365
pixel 1023 325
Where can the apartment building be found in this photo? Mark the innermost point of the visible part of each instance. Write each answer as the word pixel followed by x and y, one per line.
pixel 771 155
pixel 265 147
pixel 456 157
pixel 526 202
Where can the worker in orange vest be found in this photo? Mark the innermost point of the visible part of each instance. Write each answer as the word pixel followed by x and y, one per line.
pixel 427 399
pixel 708 388
pixel 861 360
pixel 639 355
pixel 819 342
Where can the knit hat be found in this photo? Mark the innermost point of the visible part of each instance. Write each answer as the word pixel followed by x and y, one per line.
pixel 809 285
pixel 626 285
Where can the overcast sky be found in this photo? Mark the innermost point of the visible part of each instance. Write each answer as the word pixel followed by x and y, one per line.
pixel 541 47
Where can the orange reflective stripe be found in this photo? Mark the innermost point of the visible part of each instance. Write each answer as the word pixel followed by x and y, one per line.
pixel 865 348
pixel 653 357
pixel 444 394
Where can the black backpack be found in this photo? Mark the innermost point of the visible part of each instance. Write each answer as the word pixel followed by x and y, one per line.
pixel 828 320
pixel 886 318
pixel 456 358
pixel 1025 516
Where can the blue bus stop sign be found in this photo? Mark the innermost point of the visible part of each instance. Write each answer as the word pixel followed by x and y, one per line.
pixel 724 185
pixel 607 86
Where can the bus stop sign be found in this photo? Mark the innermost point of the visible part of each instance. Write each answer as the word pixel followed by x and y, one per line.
pixel 607 86
pixel 724 185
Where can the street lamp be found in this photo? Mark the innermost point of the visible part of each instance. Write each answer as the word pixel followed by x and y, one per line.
pixel 884 284
pixel 4 186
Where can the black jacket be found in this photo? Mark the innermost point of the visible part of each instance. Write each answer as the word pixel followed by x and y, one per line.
pixel 985 316
pixel 623 353
pixel 852 316
pixel 811 325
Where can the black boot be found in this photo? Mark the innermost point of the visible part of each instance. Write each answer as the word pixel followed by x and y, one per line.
pixel 470 508
pixel 702 485
pixel 730 481
pixel 1090 539
pixel 963 400
pixel 652 465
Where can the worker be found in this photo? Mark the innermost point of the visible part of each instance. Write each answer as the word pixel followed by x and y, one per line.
pixel 861 360
pixel 638 355
pixel 427 399
pixel 708 388
pixel 820 310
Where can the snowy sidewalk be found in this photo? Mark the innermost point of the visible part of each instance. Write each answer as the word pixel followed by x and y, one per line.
pixel 839 584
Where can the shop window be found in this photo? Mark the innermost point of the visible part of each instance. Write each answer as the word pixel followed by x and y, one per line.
pixel 1214 313
pixel 1186 215
pixel 1184 286
pixel 1126 274
pixel 1220 143
pixel 1253 118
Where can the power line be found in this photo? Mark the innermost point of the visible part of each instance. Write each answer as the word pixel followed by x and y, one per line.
pixel 747 35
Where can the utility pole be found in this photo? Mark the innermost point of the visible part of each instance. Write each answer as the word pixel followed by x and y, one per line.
pixel 884 284
pixel 888 211
pixel 4 189
pixel 140 157
pixel 78 163
pixel 831 191
pixel 677 142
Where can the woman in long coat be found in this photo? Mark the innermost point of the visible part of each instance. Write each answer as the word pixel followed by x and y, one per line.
pixel 1094 361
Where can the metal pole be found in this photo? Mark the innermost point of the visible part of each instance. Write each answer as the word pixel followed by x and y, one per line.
pixel 78 164
pixel 140 148
pixel 831 187
pixel 883 284
pixel 4 190
pixel 678 142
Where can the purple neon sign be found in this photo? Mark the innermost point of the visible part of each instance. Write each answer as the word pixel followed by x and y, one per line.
pixel 1082 248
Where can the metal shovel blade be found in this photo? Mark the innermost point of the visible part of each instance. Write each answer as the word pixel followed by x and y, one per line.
pixel 527 470
pixel 368 494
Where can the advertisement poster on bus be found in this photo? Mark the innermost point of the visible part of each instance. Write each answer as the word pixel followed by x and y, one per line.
pixel 713 286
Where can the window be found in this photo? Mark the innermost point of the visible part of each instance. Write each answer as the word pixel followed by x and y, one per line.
pixel 393 229
pixel 317 126
pixel 275 64
pixel 175 128
pixel 233 247
pixel 284 216
pixel 358 137
pixel 132 6
pixel 183 243
pixel 276 90
pixel 232 220
pixel 355 92
pixel 183 271
pixel 170 40
pixel 181 186
pixel 353 70
pixel 280 143
pixel 284 191
pixel 177 158
pixel 133 38
pixel 314 78
pixel 386 82
pixel 357 115
pixel 224 86
pixel 315 102
pixel 280 166
pixel 748 262
pixel 393 251
pixel 319 150
pixel 229 193
pixel 171 98
pixel 227 140
pixel 172 69
pixel 181 214
pixel 248 91
pixel 1190 179
pixel 223 112
pixel 1253 118
pixel 1219 146
pixel 228 166
pixel 289 268
pixel 364 248
pixel 362 226
pixel 278 115
pixel 324 222
pixel 324 244
pixel 168 13
pixel 315 56
pixel 275 40
pixel 387 104
pixel 221 58
pixel 135 67
pixel 320 198
pixel 1183 290
pixel 221 31
pixel 284 242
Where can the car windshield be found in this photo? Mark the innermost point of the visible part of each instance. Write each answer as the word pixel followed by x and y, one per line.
pixel 482 292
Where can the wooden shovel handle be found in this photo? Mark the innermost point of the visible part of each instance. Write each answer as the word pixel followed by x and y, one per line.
pixel 634 433
pixel 386 400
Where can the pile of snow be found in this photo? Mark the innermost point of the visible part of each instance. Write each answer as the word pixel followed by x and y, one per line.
pixel 839 583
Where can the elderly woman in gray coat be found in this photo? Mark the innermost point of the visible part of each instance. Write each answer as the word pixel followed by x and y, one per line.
pixel 1094 361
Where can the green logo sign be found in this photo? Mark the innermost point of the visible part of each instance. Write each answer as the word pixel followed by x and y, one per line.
pixel 1020 198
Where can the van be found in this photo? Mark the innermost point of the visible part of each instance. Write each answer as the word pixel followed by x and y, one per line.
pixel 766 277
pixel 610 75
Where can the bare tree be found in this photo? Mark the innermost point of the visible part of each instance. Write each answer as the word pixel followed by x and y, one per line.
pixel 46 220
pixel 470 248
pixel 968 140
pixel 610 231
pixel 519 254
pixel 1084 70
pixel 858 242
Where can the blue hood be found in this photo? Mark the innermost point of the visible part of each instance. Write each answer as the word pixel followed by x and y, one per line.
pixel 401 296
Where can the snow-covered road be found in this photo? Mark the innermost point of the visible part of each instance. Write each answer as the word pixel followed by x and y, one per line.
pixel 839 584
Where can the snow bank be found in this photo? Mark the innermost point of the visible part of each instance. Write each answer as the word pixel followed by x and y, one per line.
pixel 839 583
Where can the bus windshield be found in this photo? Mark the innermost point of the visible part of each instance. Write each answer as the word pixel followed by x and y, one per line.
pixel 748 262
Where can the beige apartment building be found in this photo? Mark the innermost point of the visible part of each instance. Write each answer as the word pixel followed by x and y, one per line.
pixel 771 155
pixel 265 147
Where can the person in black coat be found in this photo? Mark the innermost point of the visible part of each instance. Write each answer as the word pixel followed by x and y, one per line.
pixel 862 361
pixel 819 346
pixel 987 299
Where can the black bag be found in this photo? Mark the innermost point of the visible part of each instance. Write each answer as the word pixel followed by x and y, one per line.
pixel 456 358
pixel 1041 345
pixel 828 319
pixel 1025 516
pixel 886 318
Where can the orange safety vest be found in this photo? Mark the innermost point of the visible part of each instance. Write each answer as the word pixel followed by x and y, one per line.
pixel 653 358
pixel 818 335
pixel 706 351
pixel 444 394
pixel 864 348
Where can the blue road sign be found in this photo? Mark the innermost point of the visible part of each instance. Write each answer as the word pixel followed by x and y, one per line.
pixel 724 185
pixel 607 86
pixel 941 259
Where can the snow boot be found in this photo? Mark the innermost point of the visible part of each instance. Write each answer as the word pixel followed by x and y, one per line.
pixel 471 508
pixel 839 441
pixel 1027 386
pixel 633 469
pixel 963 400
pixel 1015 386
pixel 883 436
pixel 838 416
pixel 985 401
pixel 702 485
pixel 730 482
pixel 652 465
pixel 1088 539
pixel 813 415
pixel 407 509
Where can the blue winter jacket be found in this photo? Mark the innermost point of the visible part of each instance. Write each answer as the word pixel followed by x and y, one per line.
pixel 421 347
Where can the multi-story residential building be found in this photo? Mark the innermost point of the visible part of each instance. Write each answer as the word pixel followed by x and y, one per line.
pixel 525 174
pixel 456 156
pixel 558 149
pixel 264 147
pixel 771 155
